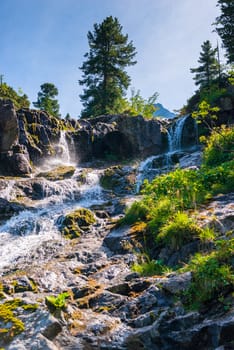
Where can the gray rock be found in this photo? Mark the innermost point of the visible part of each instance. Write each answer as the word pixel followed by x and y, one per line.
pixel 178 283
pixel 8 125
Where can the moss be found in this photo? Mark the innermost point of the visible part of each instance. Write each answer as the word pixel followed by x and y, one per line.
pixel 60 173
pixel 76 222
pixel 108 180
pixel 9 323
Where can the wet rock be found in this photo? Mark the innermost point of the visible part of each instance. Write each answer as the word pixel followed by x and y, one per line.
pixel 118 240
pixel 75 223
pixel 191 160
pixel 8 209
pixel 60 173
pixel 120 180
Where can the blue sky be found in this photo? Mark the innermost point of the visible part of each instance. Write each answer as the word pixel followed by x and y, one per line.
pixel 45 41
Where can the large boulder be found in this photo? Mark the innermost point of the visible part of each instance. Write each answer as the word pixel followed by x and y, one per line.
pixel 117 136
pixel 8 125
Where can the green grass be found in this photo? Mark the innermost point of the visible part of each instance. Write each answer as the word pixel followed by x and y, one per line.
pixel 213 274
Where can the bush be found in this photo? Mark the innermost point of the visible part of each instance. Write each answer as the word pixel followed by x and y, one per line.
pixel 150 268
pixel 182 187
pixel 210 279
pixel 178 231
pixel 137 212
pixel 219 147
pixel 160 214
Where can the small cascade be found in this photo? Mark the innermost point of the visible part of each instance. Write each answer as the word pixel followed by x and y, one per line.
pixel 175 135
pixel 156 165
pixel 29 230
pixel 142 170
pixel 65 154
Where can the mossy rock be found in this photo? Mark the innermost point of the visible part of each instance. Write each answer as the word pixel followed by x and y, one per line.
pixel 75 223
pixel 118 179
pixel 10 324
pixel 60 173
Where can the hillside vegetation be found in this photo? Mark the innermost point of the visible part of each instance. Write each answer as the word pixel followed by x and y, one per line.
pixel 167 216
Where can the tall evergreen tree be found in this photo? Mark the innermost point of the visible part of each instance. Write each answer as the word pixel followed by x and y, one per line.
pixel 225 27
pixel 104 75
pixel 46 99
pixel 208 70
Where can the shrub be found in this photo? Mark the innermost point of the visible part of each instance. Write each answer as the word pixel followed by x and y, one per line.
pixel 219 147
pixel 160 214
pixel 137 212
pixel 178 231
pixel 212 274
pixel 182 187
pixel 58 302
pixel 150 268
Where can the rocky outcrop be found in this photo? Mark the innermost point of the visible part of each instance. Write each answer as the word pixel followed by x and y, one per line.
pixel 8 125
pixel 14 158
pixel 117 137
pixel 38 132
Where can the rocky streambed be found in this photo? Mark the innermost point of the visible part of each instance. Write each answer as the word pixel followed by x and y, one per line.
pixel 79 291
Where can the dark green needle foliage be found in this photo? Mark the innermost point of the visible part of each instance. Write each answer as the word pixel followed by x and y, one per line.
pixel 46 99
pixel 104 77
pixel 225 27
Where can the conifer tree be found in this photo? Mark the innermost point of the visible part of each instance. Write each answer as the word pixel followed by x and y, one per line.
pixel 208 70
pixel 225 27
pixel 104 75
pixel 46 99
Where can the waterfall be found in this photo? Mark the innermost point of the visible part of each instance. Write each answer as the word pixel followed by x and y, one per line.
pixel 175 134
pixel 65 154
pixel 174 137
pixel 32 230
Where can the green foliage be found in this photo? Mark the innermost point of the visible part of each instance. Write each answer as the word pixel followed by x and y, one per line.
pixel 19 99
pixel 104 74
pixel 182 187
pixel 160 213
pixel 150 268
pixel 179 230
pixel 219 147
pixel 206 115
pixel 231 76
pixel 58 302
pixel 212 274
pixel 137 105
pixel 46 99
pixel 209 68
pixel 137 212
pixel 225 27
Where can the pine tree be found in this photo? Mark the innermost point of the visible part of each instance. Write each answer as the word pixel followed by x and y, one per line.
pixel 208 71
pixel 46 99
pixel 104 75
pixel 225 27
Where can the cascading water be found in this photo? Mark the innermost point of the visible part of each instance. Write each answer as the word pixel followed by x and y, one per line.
pixel 29 230
pixel 174 137
pixel 175 133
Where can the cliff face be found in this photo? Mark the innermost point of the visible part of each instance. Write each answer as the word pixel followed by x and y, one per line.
pixel 117 136
pixel 30 136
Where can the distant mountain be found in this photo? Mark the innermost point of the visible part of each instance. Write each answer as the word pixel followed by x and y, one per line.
pixel 162 112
